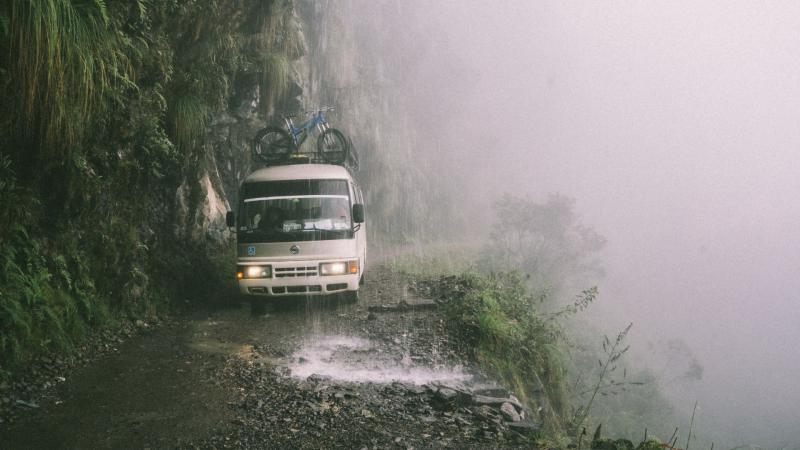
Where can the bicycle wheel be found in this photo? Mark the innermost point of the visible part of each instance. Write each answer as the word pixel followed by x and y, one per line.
pixel 272 144
pixel 332 146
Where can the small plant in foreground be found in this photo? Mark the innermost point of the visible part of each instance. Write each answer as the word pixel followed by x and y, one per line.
pixel 613 353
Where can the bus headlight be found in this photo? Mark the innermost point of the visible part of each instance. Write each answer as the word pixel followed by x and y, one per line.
pixel 254 272
pixel 339 268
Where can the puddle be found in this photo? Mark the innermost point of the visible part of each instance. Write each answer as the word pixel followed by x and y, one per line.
pixel 352 359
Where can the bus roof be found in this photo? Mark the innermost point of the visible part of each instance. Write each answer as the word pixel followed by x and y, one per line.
pixel 300 172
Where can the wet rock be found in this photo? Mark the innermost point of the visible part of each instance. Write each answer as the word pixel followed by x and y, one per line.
pixel 446 394
pixel 448 399
pixel 515 401
pixel 318 378
pixel 524 426
pixel 509 412
pixel 494 391
pixel 497 401
pixel 28 404
pixel 409 388
pixel 486 400
pixel 454 385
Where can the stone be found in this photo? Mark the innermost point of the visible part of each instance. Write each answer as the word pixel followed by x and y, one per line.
pixel 484 411
pixel 446 394
pixel 486 400
pixel 515 401
pixel 524 426
pixel 28 404
pixel 492 392
pixel 317 378
pixel 509 412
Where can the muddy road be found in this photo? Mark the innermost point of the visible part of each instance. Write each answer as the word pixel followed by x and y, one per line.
pixel 379 373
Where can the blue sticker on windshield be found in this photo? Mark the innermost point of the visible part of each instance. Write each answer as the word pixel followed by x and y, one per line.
pixel 251 250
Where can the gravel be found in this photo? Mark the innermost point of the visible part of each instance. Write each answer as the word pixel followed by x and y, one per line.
pixel 378 374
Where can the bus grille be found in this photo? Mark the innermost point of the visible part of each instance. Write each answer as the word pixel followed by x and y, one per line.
pixel 291 272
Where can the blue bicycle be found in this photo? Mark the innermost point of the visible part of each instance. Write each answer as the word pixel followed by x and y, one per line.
pixel 275 145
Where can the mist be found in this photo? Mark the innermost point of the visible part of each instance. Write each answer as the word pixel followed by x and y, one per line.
pixel 674 126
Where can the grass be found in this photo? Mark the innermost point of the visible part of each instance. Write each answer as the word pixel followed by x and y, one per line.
pixel 61 49
pixel 187 117
pixel 497 318
pixel 437 258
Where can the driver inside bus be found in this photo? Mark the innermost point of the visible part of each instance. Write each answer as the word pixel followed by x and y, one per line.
pixel 272 220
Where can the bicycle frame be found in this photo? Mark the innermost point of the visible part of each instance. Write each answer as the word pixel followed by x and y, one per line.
pixel 299 134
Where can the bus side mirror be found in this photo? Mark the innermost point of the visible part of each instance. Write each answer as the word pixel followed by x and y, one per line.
pixel 358 213
pixel 230 219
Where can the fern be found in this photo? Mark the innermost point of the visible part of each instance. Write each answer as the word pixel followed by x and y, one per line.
pixel 187 117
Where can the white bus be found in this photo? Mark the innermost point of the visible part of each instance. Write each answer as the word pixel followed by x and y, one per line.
pixel 300 232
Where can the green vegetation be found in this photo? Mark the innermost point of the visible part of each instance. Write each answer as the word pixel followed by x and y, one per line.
pixel 58 49
pixel 537 355
pixel 105 109
pixel 542 347
pixel 499 321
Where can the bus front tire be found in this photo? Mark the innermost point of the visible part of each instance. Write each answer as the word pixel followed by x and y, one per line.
pixel 349 297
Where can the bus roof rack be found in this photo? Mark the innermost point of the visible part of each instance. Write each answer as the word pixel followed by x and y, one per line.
pixel 283 157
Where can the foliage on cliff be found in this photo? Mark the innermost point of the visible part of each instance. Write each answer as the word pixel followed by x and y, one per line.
pixel 104 113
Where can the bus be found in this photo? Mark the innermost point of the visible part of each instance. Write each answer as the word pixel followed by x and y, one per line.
pixel 300 231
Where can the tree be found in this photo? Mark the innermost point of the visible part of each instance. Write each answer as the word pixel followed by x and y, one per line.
pixel 544 241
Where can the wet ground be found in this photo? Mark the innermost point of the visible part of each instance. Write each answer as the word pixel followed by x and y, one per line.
pixel 379 373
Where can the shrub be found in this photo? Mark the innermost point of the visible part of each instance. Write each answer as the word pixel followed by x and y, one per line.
pixel 498 319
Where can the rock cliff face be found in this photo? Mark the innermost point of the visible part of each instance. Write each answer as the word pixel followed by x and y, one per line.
pixel 344 55
pixel 212 178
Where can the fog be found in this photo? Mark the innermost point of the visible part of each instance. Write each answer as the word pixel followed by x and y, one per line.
pixel 674 125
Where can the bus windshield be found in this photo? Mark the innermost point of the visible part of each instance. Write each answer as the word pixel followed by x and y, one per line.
pixel 276 211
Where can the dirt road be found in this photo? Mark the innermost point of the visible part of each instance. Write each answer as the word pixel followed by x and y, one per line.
pixel 307 374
